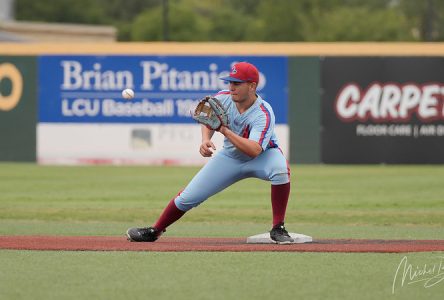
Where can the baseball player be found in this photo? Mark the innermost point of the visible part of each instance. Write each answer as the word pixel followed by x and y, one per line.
pixel 250 150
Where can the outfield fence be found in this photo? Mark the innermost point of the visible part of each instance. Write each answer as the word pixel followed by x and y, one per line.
pixel 334 103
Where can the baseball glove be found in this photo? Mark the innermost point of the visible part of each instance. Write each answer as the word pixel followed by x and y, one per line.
pixel 211 113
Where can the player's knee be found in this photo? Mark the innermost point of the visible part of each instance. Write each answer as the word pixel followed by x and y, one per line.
pixel 279 178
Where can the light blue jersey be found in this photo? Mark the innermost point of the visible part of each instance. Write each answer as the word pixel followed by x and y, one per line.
pixel 257 124
pixel 231 165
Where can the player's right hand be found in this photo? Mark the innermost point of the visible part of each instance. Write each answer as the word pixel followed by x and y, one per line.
pixel 206 148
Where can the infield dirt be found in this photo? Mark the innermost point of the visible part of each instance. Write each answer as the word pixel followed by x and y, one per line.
pixel 173 244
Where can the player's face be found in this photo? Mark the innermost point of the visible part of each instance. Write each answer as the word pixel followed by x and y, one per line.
pixel 241 91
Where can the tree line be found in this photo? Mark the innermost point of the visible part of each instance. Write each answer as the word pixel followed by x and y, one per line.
pixel 249 20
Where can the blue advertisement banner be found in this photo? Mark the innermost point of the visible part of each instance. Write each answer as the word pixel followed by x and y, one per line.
pixel 87 89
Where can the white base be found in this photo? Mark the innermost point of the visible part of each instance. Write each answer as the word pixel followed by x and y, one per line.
pixel 264 238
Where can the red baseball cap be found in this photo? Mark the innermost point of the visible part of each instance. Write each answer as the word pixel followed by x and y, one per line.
pixel 243 72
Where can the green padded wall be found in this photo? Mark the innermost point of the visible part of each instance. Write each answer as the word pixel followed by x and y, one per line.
pixel 18 108
pixel 304 109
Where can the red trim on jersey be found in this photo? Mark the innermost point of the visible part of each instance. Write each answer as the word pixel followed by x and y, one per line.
pixel 272 144
pixel 246 132
pixel 267 124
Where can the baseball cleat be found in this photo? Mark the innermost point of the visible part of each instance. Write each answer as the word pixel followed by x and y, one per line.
pixel 280 235
pixel 147 234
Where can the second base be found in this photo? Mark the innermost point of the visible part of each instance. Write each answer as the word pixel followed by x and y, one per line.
pixel 264 238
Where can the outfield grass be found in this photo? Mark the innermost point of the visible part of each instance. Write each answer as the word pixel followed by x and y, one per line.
pixel 326 202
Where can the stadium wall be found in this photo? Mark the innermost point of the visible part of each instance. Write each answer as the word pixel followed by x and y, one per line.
pixel 311 130
pixel 18 108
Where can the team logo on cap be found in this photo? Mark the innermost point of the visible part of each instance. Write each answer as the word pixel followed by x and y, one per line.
pixel 233 70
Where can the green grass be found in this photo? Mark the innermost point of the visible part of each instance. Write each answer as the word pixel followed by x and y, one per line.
pixel 138 275
pixel 326 202
pixel 336 195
